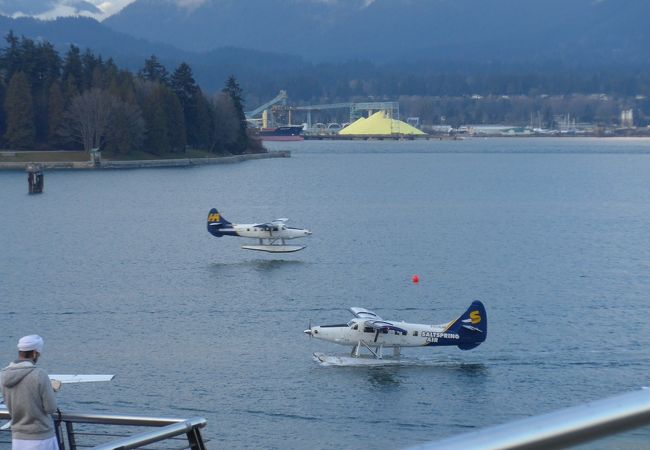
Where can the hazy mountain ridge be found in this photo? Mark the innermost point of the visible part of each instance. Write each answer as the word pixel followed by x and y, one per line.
pixel 392 30
pixel 442 60
pixel 211 68
pixel 85 33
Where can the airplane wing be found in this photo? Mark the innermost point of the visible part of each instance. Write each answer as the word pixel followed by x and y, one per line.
pixel 65 379
pixel 280 220
pixel 363 313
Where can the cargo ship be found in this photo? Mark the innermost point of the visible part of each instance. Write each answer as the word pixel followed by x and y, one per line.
pixel 281 133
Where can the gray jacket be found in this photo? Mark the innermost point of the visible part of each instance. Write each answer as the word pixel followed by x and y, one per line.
pixel 30 400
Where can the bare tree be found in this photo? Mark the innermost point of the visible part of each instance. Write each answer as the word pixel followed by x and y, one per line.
pixel 88 118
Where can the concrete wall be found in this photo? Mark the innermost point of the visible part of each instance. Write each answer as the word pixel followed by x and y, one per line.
pixel 107 164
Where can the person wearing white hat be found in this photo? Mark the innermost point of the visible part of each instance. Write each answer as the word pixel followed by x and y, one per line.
pixel 29 396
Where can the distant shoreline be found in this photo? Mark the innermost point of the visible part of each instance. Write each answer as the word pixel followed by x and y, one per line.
pixel 138 164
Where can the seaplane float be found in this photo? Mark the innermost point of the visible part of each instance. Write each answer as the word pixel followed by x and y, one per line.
pixel 271 236
pixel 368 331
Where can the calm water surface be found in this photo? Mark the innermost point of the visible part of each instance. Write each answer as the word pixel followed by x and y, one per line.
pixel 117 271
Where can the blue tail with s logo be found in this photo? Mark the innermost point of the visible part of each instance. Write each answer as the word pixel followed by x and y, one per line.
pixel 216 223
pixel 471 327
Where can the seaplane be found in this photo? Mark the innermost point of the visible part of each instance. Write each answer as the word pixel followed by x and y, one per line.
pixel 59 379
pixel 370 332
pixel 271 236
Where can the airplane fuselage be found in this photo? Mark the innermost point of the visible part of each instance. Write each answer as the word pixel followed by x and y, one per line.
pixel 257 232
pixel 409 335
pixel 368 330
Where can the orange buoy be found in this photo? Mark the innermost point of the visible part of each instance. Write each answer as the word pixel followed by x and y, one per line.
pixel 415 279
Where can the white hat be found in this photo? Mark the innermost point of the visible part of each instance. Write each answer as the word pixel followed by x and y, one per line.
pixel 31 342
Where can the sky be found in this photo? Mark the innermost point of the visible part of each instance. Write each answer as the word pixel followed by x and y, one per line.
pixel 98 9
pixel 50 9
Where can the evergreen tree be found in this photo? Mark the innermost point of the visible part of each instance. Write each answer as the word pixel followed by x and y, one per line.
pixel 43 66
pixel 11 58
pixel 21 131
pixel 3 117
pixel 72 75
pixel 154 71
pixel 70 89
pixel 98 78
pixel 176 127
pixel 204 122
pixel 111 73
pixel 91 71
pixel 55 111
pixel 233 90
pixel 189 96
pixel 125 87
pixel 41 63
pixel 156 137
pixel 226 125
pixel 126 128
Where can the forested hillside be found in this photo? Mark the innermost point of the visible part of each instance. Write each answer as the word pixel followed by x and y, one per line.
pixel 81 101
pixel 582 32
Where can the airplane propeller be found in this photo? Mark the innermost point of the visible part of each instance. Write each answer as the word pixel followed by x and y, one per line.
pixel 308 331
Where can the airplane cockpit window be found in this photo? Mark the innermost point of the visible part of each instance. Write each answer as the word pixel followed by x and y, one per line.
pixel 356 326
pixel 368 330
pixel 415 333
pixel 350 323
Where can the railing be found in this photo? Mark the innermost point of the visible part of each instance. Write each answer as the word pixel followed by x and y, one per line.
pixel 559 429
pixel 109 432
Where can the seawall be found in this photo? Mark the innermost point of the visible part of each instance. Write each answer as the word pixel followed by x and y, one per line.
pixel 142 164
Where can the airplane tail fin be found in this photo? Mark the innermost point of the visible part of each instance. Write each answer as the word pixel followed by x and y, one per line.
pixel 471 326
pixel 216 223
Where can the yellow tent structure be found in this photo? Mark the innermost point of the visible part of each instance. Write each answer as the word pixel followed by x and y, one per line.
pixel 379 124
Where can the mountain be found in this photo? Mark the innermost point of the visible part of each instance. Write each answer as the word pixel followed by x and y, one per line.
pixel 88 33
pixel 211 68
pixel 325 51
pixel 49 8
pixel 584 31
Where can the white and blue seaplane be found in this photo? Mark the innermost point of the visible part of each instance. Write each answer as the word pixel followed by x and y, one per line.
pixel 58 379
pixel 271 236
pixel 370 332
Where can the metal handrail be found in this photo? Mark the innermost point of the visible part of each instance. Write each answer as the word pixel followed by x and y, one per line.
pixel 149 437
pixel 559 429
pixel 167 428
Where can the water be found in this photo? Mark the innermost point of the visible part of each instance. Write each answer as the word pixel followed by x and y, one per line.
pixel 117 271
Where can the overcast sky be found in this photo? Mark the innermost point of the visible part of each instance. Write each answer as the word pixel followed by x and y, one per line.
pixel 99 9
pixel 49 9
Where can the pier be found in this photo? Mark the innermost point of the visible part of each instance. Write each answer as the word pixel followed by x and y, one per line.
pixel 35 178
